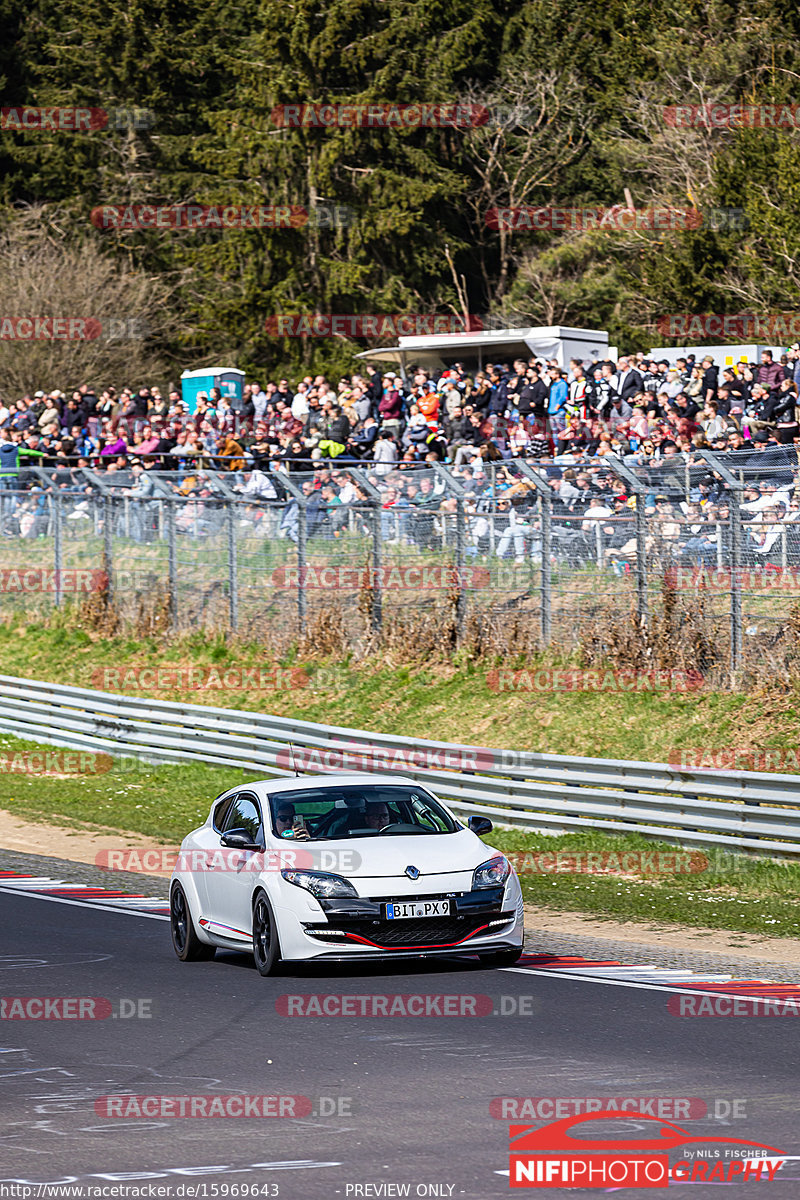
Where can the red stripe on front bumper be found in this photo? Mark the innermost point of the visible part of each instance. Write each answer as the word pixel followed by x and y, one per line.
pixel 356 937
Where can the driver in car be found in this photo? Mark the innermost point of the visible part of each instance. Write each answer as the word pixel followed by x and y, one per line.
pixel 377 815
pixel 285 819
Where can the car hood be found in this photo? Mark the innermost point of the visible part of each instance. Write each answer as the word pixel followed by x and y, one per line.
pixel 387 857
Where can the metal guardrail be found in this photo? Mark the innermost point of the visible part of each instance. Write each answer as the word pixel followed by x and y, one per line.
pixel 747 810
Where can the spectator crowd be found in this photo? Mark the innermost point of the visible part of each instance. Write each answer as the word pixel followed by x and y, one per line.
pixel 656 418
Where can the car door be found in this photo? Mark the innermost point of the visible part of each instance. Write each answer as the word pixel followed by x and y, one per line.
pixel 231 877
pixel 200 849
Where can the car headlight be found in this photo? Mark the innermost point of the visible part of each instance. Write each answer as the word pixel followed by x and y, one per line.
pixel 492 873
pixel 321 884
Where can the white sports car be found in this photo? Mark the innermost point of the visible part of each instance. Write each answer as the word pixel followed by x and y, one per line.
pixel 342 867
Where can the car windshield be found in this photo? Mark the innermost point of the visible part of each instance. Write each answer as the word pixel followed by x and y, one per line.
pixel 325 814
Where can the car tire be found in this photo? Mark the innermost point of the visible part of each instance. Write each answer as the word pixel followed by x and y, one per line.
pixel 501 958
pixel 266 948
pixel 186 943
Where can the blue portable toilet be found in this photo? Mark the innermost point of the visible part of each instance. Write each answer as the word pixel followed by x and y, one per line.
pixel 229 381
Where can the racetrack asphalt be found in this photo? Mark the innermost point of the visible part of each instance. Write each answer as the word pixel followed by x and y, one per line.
pixel 409 1096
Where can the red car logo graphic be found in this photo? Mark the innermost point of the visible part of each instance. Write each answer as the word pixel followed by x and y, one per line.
pixel 555 1138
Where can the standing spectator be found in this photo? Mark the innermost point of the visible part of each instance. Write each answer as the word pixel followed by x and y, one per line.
pixel 627 380
pixel 390 406
pixel 770 374
pixel 710 381
pixel 557 400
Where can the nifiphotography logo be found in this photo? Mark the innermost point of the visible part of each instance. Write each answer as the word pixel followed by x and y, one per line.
pixel 551 1156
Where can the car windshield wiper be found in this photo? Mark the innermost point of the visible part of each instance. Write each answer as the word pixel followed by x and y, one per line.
pixel 400 828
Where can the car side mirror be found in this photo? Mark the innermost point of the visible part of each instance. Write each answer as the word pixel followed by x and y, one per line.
pixel 480 825
pixel 239 839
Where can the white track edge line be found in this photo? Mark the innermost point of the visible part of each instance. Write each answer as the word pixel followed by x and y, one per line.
pixel 131 912
pixel 650 987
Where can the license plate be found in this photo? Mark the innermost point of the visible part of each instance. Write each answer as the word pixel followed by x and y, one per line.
pixel 397 909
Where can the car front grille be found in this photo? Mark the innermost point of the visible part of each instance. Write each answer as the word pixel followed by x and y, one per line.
pixel 432 931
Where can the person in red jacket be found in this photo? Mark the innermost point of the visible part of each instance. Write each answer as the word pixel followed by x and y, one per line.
pixel 770 374
pixel 390 407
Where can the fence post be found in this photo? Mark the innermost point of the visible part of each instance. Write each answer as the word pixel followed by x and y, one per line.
pixel 461 543
pixel 376 581
pixel 108 546
pixel 736 582
pixel 233 583
pixel 545 494
pixel 173 562
pixel 547 565
pixel 297 493
pixel 58 557
pixel 301 567
pixel 640 491
pixel 734 487
pixel 641 560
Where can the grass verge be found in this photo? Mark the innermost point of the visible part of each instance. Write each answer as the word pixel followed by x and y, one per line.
pixel 447 702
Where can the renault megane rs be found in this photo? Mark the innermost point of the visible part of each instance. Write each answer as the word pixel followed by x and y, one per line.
pixel 342 867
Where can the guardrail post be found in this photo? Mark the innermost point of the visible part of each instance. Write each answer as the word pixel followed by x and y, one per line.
pixel 58 556
pixel 173 563
pixel 233 583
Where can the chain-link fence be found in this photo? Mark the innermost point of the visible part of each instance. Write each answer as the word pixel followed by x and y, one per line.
pixel 550 548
